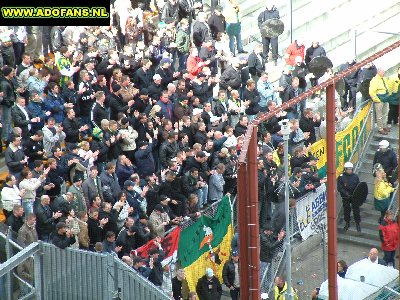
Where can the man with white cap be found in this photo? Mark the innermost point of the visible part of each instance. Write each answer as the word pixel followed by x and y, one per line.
pixel 387 158
pixel 346 184
pixel 208 287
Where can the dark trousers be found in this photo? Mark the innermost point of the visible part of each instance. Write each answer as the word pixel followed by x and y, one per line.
pixel 347 207
pixel 19 48
pixel 350 92
pixel 393 114
pixel 8 56
pixel 235 294
pixel 389 257
pixel 273 42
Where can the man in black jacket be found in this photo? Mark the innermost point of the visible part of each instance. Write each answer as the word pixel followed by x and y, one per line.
pixel 16 220
pixel 72 128
pixel 241 126
pixel 268 246
pixel 387 158
pixel 201 31
pixel 231 77
pixel 170 11
pixel 45 218
pixel 349 98
pixel 156 275
pixel 155 88
pixel 34 148
pixel 208 287
pixel 168 149
pixel 143 76
pixel 117 104
pixel 98 112
pixel 95 227
pixel 216 22
pixel 256 63
pixel 270 12
pixel 110 214
pixel 21 117
pixel 178 283
pixel 308 122
pixel 14 156
pixel 63 237
pixel 63 204
pixel 127 239
pixel 7 89
pixel 166 72
pixel 230 275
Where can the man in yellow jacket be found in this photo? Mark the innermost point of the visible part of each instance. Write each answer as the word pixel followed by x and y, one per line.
pixel 380 85
pixel 280 289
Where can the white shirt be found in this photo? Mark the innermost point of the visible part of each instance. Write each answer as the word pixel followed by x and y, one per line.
pixel 26 114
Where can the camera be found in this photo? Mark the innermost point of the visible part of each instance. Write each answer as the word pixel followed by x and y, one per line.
pixel 285 127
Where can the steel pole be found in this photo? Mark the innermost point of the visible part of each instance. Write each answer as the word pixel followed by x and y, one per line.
pixel 253 224
pixel 243 234
pixel 288 253
pixel 398 193
pixel 331 195
pixel 290 14
pixel 324 251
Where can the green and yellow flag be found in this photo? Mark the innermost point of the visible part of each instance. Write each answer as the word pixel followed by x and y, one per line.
pixel 206 244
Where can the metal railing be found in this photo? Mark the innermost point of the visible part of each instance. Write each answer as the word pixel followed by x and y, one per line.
pixel 71 274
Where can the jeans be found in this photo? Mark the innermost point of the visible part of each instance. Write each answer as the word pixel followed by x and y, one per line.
pixel 6 119
pixel 202 194
pixel 238 38
pixel 182 60
pixel 27 204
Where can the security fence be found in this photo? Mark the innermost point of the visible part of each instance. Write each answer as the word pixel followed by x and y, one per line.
pixel 69 274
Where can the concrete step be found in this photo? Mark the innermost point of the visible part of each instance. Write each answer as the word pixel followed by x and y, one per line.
pixel 366 177
pixel 376 138
pixel 365 232
pixel 359 240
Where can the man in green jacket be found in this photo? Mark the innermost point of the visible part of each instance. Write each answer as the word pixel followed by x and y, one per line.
pixel 183 43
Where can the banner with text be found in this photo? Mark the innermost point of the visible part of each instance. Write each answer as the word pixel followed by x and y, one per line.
pixel 345 142
pixel 311 212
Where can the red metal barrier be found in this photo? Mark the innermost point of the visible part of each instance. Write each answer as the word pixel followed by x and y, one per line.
pixel 249 245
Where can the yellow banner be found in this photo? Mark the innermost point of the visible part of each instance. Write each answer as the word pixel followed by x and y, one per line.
pixel 345 143
pixel 198 269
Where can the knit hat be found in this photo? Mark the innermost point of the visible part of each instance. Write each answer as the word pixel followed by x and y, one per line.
pixel 97 132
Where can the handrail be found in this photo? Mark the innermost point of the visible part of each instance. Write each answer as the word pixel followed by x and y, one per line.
pixel 266 116
pixel 358 140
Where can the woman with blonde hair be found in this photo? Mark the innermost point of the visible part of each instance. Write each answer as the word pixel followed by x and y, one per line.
pixel 382 191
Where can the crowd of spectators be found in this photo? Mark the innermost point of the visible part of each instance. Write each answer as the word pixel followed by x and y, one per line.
pixel 115 134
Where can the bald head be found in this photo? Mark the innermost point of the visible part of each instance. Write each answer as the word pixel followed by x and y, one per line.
pixel 373 254
pixel 381 72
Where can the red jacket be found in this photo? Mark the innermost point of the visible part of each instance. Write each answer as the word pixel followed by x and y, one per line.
pixel 192 65
pixel 293 52
pixel 389 234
